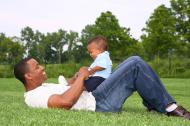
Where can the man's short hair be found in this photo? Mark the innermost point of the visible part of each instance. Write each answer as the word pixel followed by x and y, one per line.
pixel 21 68
pixel 100 41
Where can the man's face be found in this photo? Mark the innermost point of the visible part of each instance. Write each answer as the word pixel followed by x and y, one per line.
pixel 36 72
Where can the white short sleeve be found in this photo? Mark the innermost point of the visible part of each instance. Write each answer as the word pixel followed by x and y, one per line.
pixel 39 96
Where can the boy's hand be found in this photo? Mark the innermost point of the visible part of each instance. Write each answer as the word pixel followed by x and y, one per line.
pixel 95 69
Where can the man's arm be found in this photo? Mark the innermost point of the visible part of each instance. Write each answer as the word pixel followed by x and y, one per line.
pixel 70 97
pixel 72 79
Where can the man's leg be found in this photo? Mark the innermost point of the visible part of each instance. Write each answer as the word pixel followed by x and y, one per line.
pixel 131 75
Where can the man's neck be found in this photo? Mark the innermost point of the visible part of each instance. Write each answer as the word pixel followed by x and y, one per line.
pixel 31 86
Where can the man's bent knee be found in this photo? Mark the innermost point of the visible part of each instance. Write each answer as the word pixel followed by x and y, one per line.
pixel 137 58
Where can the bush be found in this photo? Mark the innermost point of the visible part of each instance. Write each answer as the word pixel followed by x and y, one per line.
pixel 6 71
pixel 66 69
pixel 177 68
pixel 185 74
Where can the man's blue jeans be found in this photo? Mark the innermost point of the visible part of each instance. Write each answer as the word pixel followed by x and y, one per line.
pixel 131 75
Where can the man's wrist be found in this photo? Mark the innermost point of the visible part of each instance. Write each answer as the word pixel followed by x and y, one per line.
pixel 81 76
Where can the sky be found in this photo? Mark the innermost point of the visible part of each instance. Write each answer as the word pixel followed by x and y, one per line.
pixel 51 15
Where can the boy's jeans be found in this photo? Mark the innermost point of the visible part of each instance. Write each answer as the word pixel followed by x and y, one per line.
pixel 131 75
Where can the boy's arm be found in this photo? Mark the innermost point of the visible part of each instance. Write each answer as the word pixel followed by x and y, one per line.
pixel 95 69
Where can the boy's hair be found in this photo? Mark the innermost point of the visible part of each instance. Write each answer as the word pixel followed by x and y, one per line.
pixel 21 68
pixel 100 41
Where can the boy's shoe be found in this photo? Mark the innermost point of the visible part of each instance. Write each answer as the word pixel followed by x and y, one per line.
pixel 62 80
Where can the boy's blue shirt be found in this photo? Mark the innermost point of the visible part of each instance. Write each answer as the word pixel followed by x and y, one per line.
pixel 103 60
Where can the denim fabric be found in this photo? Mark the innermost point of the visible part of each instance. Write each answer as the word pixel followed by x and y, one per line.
pixel 131 75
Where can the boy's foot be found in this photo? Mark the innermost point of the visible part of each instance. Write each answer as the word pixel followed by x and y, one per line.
pixel 62 80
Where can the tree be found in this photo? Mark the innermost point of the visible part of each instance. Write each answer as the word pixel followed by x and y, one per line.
pixel 53 46
pixel 72 40
pixel 15 53
pixel 181 10
pixel 119 40
pixel 32 40
pixel 160 34
pixel 88 32
pixel 11 52
pixel 2 36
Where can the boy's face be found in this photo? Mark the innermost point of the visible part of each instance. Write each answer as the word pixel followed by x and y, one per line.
pixel 93 50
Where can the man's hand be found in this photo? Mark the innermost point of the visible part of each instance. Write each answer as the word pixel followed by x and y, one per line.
pixel 76 75
pixel 83 71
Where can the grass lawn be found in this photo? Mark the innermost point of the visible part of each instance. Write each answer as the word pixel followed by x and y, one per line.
pixel 13 111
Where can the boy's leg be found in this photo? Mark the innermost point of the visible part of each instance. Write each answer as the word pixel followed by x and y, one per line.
pixel 131 75
pixel 92 83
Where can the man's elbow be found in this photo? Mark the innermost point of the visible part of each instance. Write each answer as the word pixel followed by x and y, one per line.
pixel 56 101
pixel 67 105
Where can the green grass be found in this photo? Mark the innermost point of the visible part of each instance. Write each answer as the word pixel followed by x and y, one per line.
pixel 13 111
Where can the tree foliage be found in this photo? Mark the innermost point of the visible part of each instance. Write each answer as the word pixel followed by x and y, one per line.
pixel 181 10
pixel 160 34
pixel 11 51
pixel 32 41
pixel 120 42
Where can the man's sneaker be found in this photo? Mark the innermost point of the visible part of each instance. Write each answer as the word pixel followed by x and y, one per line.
pixel 181 112
pixel 62 80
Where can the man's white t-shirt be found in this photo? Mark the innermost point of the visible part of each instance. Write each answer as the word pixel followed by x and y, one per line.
pixel 40 95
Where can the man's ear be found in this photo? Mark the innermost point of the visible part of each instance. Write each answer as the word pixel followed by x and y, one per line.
pixel 27 76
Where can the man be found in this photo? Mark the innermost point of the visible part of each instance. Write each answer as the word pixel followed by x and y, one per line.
pixel 131 75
